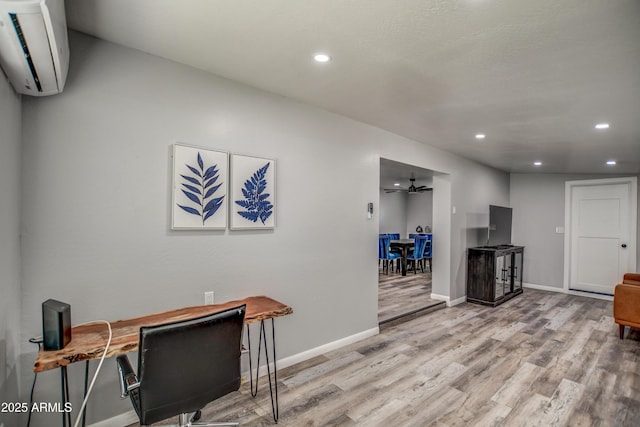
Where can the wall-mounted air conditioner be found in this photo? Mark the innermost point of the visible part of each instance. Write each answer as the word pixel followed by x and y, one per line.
pixel 34 47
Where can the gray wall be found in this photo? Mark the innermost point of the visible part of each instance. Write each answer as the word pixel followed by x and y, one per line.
pixel 538 208
pixel 402 213
pixel 393 212
pixel 10 128
pixel 96 200
pixel 475 193
pixel 419 211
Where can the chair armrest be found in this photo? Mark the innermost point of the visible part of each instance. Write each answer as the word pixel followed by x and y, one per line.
pixel 631 279
pixel 128 378
pixel 626 302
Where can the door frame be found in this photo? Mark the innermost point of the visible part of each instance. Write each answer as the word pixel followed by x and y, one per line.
pixel 442 286
pixel 633 202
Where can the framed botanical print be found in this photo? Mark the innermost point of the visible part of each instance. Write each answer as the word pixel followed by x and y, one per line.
pixel 200 188
pixel 253 193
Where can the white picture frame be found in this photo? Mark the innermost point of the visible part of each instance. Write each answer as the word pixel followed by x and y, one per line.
pixel 253 193
pixel 200 188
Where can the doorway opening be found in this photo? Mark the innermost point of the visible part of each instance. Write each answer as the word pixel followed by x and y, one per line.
pixel 406 209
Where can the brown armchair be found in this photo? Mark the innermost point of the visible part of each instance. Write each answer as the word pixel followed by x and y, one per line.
pixel 626 302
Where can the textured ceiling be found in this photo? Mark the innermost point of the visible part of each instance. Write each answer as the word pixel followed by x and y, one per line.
pixel 534 76
pixel 392 172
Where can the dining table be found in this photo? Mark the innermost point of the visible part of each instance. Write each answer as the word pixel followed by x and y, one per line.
pixel 404 245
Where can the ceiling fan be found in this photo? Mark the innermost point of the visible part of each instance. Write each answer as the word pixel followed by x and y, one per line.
pixel 411 190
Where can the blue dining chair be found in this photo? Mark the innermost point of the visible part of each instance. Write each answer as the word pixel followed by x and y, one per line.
pixel 413 235
pixel 379 236
pixel 419 246
pixel 428 250
pixel 384 254
pixel 395 236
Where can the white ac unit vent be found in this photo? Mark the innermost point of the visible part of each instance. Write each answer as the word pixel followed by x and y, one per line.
pixel 34 46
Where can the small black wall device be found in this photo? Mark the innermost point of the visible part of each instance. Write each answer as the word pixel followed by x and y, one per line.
pixel 56 324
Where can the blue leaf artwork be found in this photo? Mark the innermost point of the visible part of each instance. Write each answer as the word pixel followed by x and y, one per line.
pixel 256 202
pixel 199 187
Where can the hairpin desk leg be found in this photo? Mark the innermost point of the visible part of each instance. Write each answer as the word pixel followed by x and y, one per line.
pixel 86 383
pixel 64 380
pixel 254 391
pixel 273 384
pixel 273 389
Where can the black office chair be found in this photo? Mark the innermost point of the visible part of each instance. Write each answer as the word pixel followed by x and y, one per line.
pixel 184 365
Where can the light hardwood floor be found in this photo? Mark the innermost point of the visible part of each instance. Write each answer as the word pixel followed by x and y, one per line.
pixel 403 296
pixel 541 359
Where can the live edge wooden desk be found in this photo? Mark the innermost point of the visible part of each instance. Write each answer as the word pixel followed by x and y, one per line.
pixel 88 341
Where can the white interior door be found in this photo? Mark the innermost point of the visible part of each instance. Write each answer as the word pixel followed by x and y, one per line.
pixel 602 233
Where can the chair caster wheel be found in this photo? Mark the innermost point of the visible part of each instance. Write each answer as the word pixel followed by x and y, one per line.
pixel 196 416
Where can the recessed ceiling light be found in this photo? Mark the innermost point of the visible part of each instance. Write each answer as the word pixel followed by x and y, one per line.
pixel 611 162
pixel 480 136
pixel 602 126
pixel 397 184
pixel 537 163
pixel 321 57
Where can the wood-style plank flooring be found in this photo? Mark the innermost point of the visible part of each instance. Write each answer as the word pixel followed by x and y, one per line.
pixel 541 359
pixel 400 296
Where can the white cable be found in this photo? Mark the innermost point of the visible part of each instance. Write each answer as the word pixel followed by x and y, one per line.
pixel 84 402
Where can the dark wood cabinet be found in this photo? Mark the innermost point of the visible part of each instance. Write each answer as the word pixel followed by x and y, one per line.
pixel 494 274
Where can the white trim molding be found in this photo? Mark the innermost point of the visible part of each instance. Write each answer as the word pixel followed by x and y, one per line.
pixel 325 348
pixel 457 301
pixel 447 300
pixel 317 351
pixel 590 295
pixel 568 292
pixel 544 288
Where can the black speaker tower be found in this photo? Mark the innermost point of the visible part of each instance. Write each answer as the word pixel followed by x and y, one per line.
pixel 56 324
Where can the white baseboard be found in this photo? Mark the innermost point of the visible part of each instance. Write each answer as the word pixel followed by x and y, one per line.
pixel 457 301
pixel 131 417
pixel 440 297
pixel 448 300
pixel 544 288
pixel 591 295
pixel 325 348
pixel 568 292
pixel 119 420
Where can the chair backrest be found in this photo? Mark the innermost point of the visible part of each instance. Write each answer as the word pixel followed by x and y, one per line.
pixel 413 235
pixel 428 250
pixel 394 236
pixel 419 245
pixel 184 365
pixel 383 246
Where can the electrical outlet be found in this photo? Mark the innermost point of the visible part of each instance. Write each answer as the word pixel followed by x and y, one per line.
pixel 208 298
